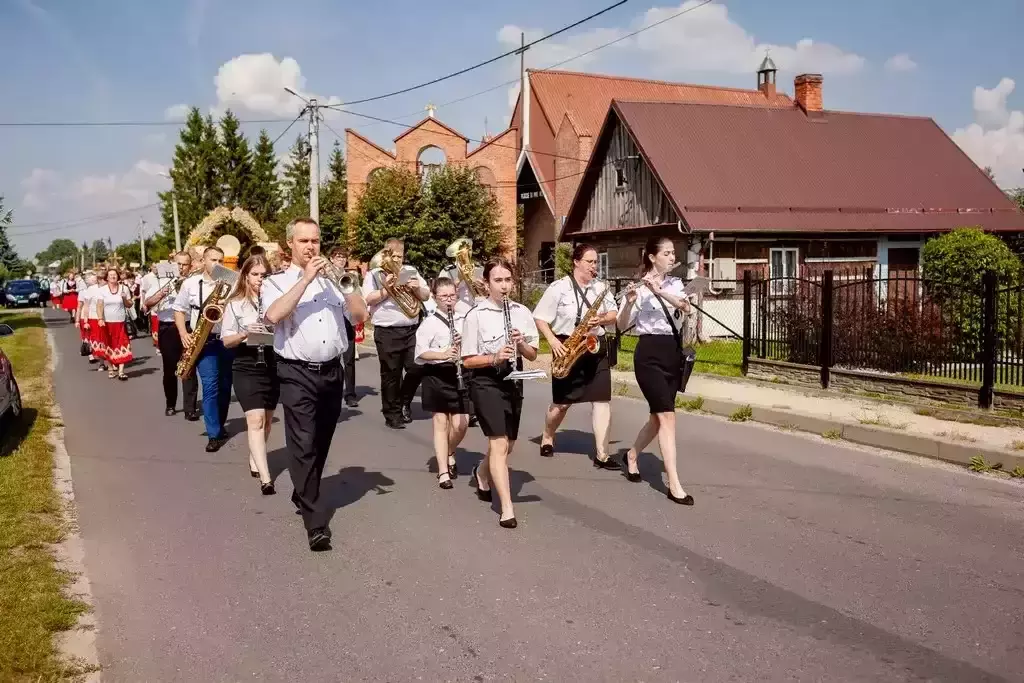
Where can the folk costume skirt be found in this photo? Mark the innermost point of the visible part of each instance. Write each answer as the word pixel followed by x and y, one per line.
pixel 656 363
pixel 497 402
pixel 117 345
pixel 256 385
pixel 70 302
pixel 588 381
pixel 440 389
pixel 58 301
pixel 97 337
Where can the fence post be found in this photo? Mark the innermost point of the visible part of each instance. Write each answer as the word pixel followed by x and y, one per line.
pixel 747 285
pixel 988 339
pixel 825 343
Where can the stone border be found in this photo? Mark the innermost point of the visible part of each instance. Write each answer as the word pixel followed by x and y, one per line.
pixel 78 644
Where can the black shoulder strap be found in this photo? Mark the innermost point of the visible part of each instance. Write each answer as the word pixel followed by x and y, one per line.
pixel 671 323
pixel 442 318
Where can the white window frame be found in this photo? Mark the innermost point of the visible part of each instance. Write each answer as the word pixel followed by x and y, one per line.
pixel 602 265
pixel 783 287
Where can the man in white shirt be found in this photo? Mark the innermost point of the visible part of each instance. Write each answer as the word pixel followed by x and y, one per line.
pixel 394 334
pixel 214 364
pixel 159 299
pixel 148 280
pixel 308 313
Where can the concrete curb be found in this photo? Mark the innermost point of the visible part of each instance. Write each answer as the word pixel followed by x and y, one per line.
pixel 77 645
pixel 865 435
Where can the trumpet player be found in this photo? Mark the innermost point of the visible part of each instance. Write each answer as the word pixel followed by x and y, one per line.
pixel 214 364
pixel 308 312
pixel 438 342
pixel 159 297
pixel 567 304
pixel 339 258
pixel 394 334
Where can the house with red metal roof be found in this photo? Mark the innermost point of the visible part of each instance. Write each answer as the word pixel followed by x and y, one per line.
pixel 783 191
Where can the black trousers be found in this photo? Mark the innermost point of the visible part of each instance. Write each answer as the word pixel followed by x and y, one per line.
pixel 399 374
pixel 312 405
pixel 350 361
pixel 169 343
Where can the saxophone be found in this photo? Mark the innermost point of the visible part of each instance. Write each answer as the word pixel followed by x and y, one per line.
pixel 213 311
pixel 579 342
pixel 402 294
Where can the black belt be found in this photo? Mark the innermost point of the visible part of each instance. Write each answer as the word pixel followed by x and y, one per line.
pixel 315 367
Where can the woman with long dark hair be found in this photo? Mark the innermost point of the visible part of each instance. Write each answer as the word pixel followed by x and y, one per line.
pixel 438 341
pixel 254 369
pixel 655 306
pixel 497 334
pixel 112 305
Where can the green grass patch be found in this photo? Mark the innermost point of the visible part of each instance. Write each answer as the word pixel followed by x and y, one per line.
pixel 832 434
pixel 33 604
pixel 742 414
pixel 723 358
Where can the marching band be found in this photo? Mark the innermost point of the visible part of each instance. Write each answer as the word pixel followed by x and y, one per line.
pixel 288 337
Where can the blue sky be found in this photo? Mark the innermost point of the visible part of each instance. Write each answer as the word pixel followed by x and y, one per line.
pixel 124 60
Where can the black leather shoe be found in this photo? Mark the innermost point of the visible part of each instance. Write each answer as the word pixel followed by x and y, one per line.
pixel 394 423
pixel 473 422
pixel 406 414
pixel 268 488
pixel 547 451
pixel 192 417
pixel 685 500
pixel 352 402
pixel 214 445
pixel 509 523
pixel 169 412
pixel 319 540
pixel 606 464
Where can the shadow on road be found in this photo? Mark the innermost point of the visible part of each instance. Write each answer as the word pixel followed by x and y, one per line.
pixel 575 442
pixel 141 372
pixel 349 485
pixel 14 430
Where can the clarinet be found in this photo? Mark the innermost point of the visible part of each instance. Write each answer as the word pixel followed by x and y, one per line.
pixel 507 309
pixel 458 360
pixel 260 360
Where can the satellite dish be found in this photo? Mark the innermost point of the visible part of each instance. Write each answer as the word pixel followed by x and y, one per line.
pixel 230 245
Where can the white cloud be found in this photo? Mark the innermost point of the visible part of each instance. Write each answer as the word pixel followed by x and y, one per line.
pixel 39 186
pixel 177 112
pixel 46 189
pixel 900 62
pixel 256 83
pixel 705 38
pixel 996 138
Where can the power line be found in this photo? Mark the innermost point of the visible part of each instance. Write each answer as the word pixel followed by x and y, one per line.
pixel 301 114
pixel 94 217
pixel 110 124
pixel 491 60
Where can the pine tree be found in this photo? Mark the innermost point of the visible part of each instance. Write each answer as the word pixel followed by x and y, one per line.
pixel 236 163
pixel 294 188
pixel 9 259
pixel 264 194
pixel 334 201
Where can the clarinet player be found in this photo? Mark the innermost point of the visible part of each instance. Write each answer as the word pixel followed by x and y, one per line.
pixel 308 312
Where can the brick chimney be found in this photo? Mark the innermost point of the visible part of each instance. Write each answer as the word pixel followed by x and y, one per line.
pixel 808 92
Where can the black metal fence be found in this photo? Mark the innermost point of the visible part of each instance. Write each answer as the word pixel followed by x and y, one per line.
pixel 901 324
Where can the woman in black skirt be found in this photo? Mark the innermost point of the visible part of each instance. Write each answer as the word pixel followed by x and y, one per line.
pixel 656 306
pixel 492 346
pixel 558 314
pixel 437 352
pixel 254 373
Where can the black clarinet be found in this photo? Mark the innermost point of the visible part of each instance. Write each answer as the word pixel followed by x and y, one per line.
pixel 260 359
pixel 458 360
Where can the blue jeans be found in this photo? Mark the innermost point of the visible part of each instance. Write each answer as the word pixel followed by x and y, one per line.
pixel 214 371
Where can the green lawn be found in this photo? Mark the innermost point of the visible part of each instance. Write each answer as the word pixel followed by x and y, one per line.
pixel 33 605
pixel 724 358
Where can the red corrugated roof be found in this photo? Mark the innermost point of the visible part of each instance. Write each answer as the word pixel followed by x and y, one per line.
pixel 739 168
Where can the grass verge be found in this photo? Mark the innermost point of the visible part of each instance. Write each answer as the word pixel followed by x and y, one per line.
pixel 33 602
pixel 723 358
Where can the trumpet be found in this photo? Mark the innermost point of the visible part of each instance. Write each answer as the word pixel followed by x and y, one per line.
pixel 347 283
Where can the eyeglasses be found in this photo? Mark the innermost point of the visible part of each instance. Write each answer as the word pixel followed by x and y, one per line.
pixel 444 296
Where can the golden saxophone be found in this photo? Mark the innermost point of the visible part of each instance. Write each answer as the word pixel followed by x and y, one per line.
pixel 461 250
pixel 403 295
pixel 579 342
pixel 210 315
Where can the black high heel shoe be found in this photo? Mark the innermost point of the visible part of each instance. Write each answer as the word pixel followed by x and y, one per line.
pixel 685 500
pixel 268 489
pixel 446 484
pixel 453 467
pixel 606 464
pixel 480 493
pixel 630 476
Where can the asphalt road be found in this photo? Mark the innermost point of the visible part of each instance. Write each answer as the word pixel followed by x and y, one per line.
pixel 801 560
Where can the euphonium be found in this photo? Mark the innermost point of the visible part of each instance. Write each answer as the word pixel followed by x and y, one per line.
pixel 579 342
pixel 210 315
pixel 403 295
pixel 462 250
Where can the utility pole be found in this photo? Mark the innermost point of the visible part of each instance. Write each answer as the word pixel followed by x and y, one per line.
pixel 314 159
pixel 142 241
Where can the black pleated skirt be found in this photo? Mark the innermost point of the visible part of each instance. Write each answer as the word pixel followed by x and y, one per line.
pixel 588 381
pixel 440 390
pixel 656 363
pixel 497 403
pixel 256 385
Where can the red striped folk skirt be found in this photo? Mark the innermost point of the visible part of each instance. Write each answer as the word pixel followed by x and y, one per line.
pixel 84 333
pixel 57 300
pixel 70 302
pixel 118 346
pixel 97 337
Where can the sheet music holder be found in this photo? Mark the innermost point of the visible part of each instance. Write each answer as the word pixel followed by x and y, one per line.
pixel 527 374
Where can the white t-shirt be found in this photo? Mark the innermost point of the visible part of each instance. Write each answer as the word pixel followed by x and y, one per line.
pixel 88 297
pixel 647 314
pixel 388 313
pixel 561 305
pixel 483 331
pixel 164 310
pixel 433 333
pixel 112 302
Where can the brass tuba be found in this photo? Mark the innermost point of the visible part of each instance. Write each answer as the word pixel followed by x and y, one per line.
pixel 403 295
pixel 461 250
pixel 579 342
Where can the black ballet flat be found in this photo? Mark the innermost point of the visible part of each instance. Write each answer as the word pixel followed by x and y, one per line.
pixel 446 484
pixel 509 523
pixel 453 467
pixel 547 451
pixel 480 493
pixel 630 476
pixel 685 500
pixel 254 474
pixel 268 489
pixel 606 464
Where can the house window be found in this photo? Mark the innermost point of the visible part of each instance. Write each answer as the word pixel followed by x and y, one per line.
pixel 620 178
pixel 602 265
pixel 781 270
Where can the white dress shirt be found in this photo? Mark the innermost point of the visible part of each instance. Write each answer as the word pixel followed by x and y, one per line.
pixel 164 310
pixel 239 314
pixel 387 313
pixel 562 307
pixel 190 298
pixel 433 333
pixel 483 331
pixel 647 314
pixel 315 331
pixel 112 302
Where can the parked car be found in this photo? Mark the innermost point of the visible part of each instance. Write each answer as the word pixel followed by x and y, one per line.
pixel 18 293
pixel 10 394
